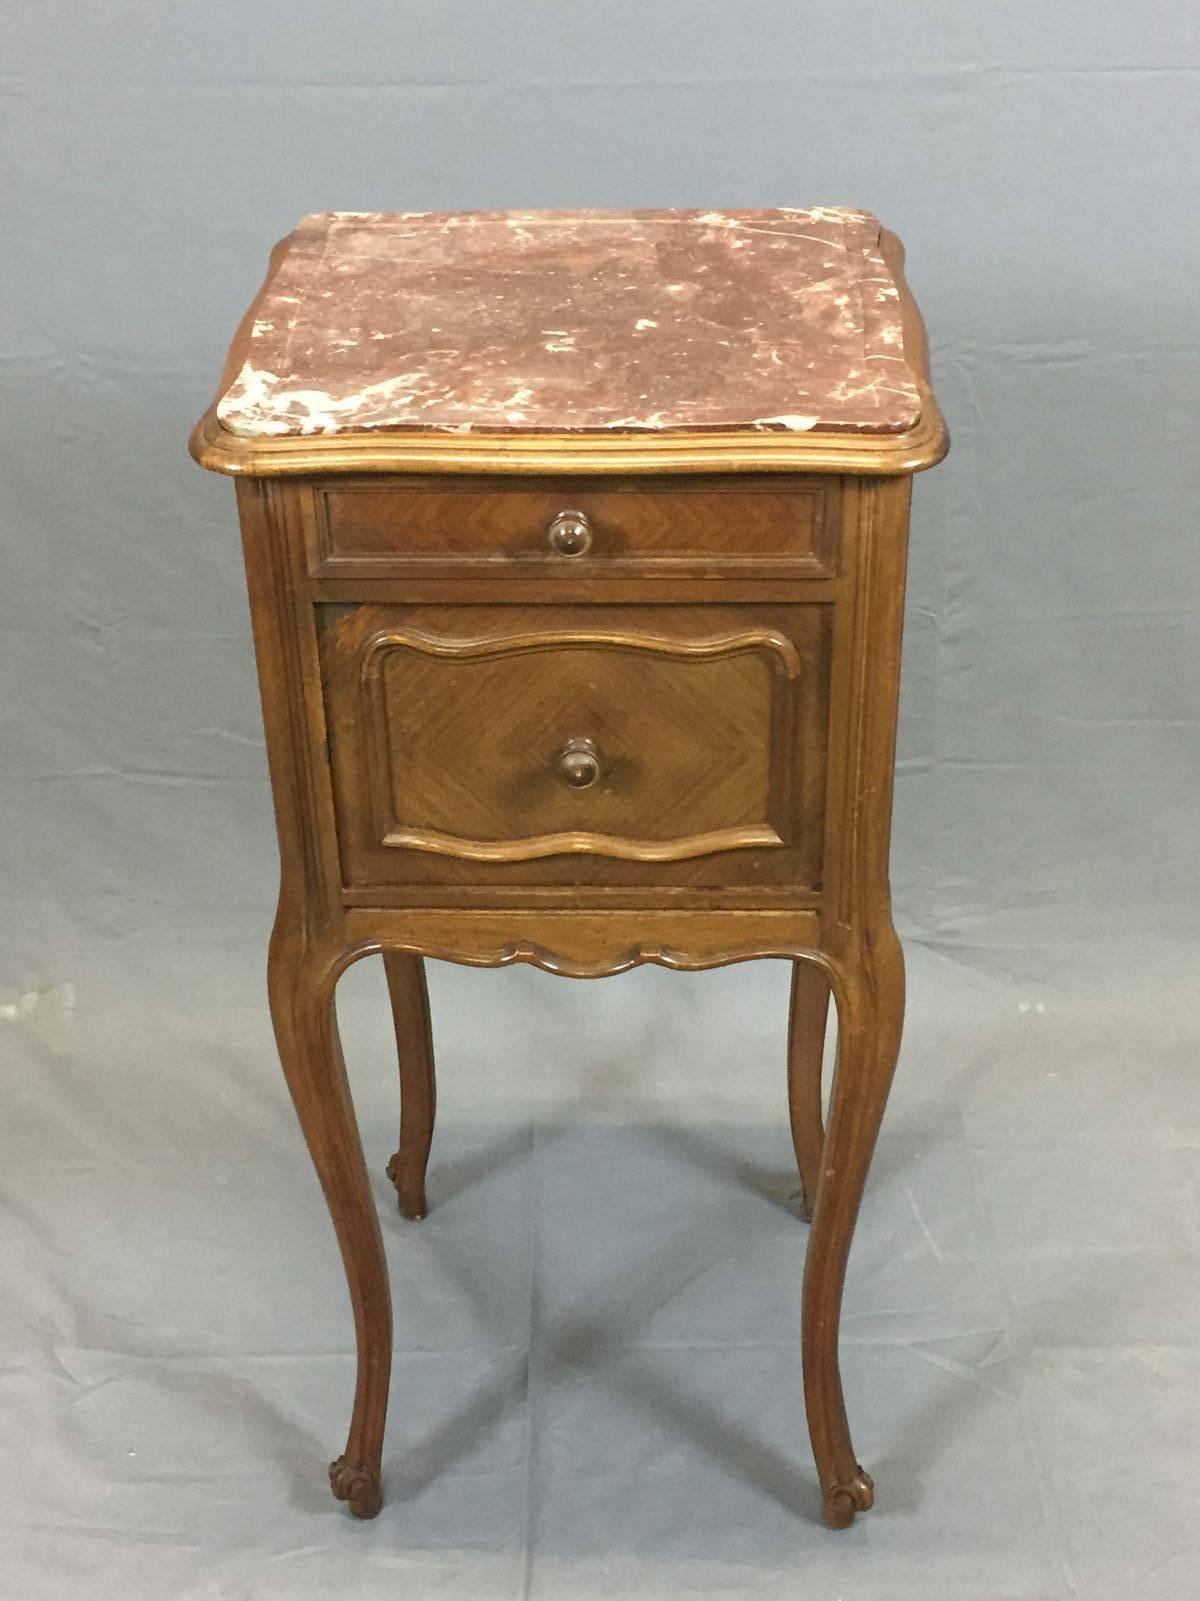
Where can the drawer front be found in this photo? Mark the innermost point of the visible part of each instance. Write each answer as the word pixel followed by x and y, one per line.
pixel 712 527
pixel 641 746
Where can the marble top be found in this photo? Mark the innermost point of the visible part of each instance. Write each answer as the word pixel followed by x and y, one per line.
pixel 577 322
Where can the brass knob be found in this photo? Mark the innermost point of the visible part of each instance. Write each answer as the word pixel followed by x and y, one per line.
pixel 579 763
pixel 570 534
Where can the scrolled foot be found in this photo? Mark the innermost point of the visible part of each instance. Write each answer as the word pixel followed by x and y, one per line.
pixel 357 1485
pixel 410 1193
pixel 842 1501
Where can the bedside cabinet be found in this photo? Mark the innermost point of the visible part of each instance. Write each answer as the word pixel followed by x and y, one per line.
pixel 576 549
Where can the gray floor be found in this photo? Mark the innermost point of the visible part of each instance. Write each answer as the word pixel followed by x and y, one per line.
pixel 597 1383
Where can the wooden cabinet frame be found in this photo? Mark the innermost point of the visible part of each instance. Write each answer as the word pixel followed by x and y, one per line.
pixel 838 933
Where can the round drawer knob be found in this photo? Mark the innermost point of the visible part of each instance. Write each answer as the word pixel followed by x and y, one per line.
pixel 579 763
pixel 570 534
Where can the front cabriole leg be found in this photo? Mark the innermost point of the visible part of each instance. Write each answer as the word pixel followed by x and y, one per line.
pixel 301 980
pixel 868 986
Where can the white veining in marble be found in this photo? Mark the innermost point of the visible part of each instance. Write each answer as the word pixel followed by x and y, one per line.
pixel 577 322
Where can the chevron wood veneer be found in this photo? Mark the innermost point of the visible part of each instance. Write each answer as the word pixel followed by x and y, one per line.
pixel 617 690
pixel 712 527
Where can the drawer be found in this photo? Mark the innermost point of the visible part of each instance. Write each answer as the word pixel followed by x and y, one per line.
pixel 645 746
pixel 713 527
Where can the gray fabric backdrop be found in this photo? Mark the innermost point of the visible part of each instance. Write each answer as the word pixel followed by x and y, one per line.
pixel 597 1386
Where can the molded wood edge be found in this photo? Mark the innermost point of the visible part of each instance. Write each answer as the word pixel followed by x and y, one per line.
pixel 218 450
pixel 584 944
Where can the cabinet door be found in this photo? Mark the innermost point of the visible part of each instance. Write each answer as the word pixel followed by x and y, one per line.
pixel 657 747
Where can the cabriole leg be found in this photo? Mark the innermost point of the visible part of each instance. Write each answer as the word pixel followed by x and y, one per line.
pixel 869 990
pixel 418 1085
pixel 301 982
pixel 806 1045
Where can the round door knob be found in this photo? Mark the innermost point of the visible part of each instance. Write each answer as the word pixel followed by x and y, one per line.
pixel 570 534
pixel 579 763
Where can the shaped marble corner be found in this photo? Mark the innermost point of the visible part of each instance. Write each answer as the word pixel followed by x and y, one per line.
pixel 577 322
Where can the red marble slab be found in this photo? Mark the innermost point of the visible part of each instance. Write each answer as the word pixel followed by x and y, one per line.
pixel 577 322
